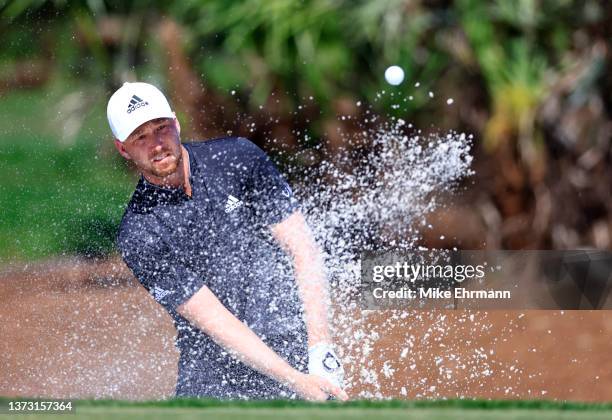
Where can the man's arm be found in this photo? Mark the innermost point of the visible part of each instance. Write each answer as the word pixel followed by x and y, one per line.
pixel 295 237
pixel 206 312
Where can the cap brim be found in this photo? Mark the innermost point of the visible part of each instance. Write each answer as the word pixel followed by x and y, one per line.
pixel 137 122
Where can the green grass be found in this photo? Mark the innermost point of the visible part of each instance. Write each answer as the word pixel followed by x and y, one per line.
pixel 296 410
pixel 57 196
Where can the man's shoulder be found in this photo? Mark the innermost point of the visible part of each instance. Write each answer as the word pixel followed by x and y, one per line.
pixel 222 142
pixel 233 147
pixel 136 225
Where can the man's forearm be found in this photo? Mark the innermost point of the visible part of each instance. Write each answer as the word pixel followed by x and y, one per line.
pixel 313 287
pixel 296 238
pixel 206 312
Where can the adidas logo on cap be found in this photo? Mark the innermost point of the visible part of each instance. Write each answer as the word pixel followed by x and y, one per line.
pixel 136 103
pixel 151 101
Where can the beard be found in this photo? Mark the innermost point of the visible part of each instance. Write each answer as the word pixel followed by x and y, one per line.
pixel 165 163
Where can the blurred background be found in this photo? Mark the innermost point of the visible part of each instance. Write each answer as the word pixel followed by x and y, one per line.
pixel 530 79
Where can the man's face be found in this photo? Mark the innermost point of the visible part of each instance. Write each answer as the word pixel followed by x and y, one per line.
pixel 154 147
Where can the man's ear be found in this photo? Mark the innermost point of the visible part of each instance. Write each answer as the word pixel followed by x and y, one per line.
pixel 177 124
pixel 121 149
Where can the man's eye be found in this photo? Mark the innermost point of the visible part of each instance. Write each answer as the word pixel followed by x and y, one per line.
pixel 162 127
pixel 141 137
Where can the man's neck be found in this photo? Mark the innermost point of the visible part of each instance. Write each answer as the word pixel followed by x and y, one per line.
pixel 180 178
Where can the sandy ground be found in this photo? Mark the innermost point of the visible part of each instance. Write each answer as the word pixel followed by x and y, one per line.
pixel 78 329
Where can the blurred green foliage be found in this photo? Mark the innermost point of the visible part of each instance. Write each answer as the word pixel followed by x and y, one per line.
pixel 321 48
pixel 55 198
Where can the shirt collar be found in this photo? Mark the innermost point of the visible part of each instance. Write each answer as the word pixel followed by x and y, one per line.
pixel 149 195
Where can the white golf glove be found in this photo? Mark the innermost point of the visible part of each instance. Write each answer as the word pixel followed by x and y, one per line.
pixel 323 361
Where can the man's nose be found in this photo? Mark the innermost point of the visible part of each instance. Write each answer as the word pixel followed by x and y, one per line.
pixel 158 141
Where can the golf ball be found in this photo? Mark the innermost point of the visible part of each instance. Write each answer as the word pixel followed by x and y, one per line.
pixel 394 75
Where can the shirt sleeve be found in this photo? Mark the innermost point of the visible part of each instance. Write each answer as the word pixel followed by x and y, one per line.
pixel 167 277
pixel 272 198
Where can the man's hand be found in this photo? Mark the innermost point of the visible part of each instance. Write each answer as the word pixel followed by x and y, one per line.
pixel 206 312
pixel 323 362
pixel 315 388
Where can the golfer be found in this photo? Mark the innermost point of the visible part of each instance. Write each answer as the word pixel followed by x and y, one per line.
pixel 213 232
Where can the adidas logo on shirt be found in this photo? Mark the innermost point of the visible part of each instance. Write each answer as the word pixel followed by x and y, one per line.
pixel 136 103
pixel 232 203
pixel 286 191
pixel 159 293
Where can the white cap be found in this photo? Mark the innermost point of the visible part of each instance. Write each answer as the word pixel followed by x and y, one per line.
pixel 134 104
